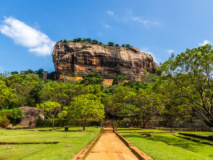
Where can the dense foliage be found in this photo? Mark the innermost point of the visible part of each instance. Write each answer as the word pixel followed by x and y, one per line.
pixel 182 90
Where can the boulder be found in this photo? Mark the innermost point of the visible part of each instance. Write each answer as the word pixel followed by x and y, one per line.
pixel 31 115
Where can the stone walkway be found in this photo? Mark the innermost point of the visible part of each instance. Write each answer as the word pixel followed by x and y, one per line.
pixel 110 147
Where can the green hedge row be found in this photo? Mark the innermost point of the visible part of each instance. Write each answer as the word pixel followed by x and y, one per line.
pixel 64 122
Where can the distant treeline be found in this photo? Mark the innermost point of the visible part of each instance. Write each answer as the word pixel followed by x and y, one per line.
pixel 94 41
pixel 38 72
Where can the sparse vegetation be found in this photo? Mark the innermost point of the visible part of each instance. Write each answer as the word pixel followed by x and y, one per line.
pixel 89 40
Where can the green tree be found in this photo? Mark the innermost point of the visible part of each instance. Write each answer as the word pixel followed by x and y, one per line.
pixel 40 73
pixel 22 85
pixel 121 96
pixel 7 96
pixel 110 44
pixel 119 79
pixel 88 40
pixel 79 39
pixel 85 107
pixel 92 78
pixel 127 45
pixel 94 41
pixel 129 111
pixel 191 72
pixel 149 105
pixel 50 109
pixel 10 116
pixel 176 107
pixel 14 72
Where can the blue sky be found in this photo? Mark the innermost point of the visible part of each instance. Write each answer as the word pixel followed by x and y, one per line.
pixel 29 29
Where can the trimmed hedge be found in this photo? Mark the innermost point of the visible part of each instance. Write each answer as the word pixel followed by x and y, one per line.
pixel 64 122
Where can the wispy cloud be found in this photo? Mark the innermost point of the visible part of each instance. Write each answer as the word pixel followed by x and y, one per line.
pixel 143 21
pixel 132 19
pixel 1 69
pixel 105 25
pixel 24 35
pixel 170 51
pixel 110 12
pixel 204 43
pixel 100 34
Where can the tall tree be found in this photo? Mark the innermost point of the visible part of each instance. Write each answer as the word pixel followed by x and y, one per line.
pixel 7 96
pixel 51 110
pixel 192 73
pixel 149 105
pixel 85 107
pixel 23 84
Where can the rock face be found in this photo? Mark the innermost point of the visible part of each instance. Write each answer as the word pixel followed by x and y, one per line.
pixel 31 115
pixel 77 59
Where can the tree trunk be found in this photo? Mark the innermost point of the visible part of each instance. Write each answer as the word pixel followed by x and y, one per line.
pixel 53 123
pixel 84 124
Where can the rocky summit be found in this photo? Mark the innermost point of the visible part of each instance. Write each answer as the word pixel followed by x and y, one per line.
pixel 77 59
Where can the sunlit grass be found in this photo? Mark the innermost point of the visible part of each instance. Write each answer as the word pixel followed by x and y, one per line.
pixel 162 146
pixel 75 141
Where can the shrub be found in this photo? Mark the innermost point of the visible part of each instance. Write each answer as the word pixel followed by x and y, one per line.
pixel 94 41
pixel 10 115
pixel 64 122
pixel 110 44
pixel 127 45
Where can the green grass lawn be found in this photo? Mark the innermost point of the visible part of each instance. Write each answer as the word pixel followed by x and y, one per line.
pixel 199 133
pixel 141 130
pixel 70 143
pixel 163 146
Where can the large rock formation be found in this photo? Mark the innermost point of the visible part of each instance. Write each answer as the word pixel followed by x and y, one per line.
pixel 77 59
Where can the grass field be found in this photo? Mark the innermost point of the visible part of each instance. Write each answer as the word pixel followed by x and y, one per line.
pixel 70 143
pixel 167 146
pixel 139 130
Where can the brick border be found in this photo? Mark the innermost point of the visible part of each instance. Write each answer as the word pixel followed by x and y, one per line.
pixel 84 152
pixel 141 155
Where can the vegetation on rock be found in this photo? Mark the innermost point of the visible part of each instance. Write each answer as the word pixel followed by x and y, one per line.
pixel 94 41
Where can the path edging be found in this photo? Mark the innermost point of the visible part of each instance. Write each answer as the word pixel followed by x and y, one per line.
pixel 141 155
pixel 82 154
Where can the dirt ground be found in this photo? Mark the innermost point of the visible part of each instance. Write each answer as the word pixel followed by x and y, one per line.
pixel 110 147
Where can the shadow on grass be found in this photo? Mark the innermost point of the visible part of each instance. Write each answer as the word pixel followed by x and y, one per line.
pixel 170 140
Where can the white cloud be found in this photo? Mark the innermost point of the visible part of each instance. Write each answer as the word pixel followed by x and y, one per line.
pixel 1 68
pixel 100 34
pixel 204 43
pixel 110 12
pixel 147 51
pixel 22 34
pixel 170 51
pixel 107 26
pixel 143 21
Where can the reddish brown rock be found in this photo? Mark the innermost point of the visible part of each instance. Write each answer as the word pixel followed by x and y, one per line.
pixel 31 115
pixel 77 59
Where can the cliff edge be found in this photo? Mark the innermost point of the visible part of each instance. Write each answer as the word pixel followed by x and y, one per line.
pixel 77 59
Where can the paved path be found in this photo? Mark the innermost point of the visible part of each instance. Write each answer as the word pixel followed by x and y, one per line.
pixel 110 147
